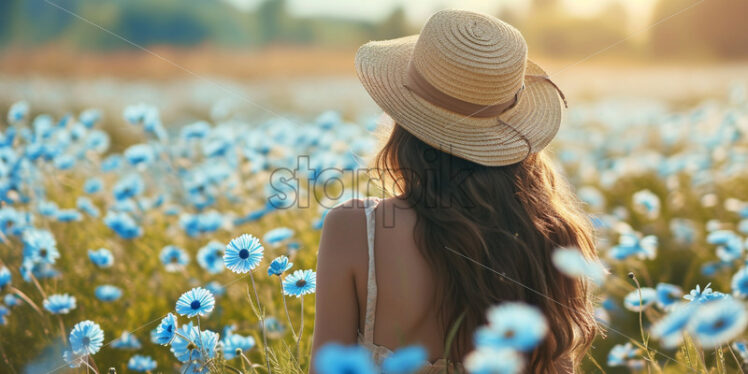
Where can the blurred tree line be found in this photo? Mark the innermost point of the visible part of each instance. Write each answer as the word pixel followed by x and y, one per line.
pixel 715 28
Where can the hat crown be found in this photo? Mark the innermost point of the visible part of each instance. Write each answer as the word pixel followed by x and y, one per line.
pixel 471 56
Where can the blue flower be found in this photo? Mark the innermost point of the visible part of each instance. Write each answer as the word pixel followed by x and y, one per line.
pixel 630 244
pixel 190 344
pixel 243 254
pixel 279 265
pixel 699 296
pixel 668 294
pixel 59 304
pixel 111 163
pixel 276 236
pixel 492 360
pixel 107 293
pixel 405 360
pixel 11 300
pixel 634 301
pixel 18 112
pixel 215 288
pixel 301 282
pixel 141 363
pixel 68 215
pixel 64 162
pixel 647 203
pixel 126 341
pixel 742 348
pixel 174 258
pixel 729 245
pixel 337 359
pixel 622 355
pixel 40 246
pixel 89 117
pixel 233 343
pixel 139 154
pixel 197 301
pixel 210 257
pixel 166 330
pixel 87 206
pixel 572 262
pixel 86 338
pixel 3 312
pixel 102 257
pixel 92 185
pixel 512 325
pixel 123 225
pixel 740 283
pixel 669 329
pixel 73 360
pixel 128 187
pixel 718 322
pixel 5 277
pixel 273 327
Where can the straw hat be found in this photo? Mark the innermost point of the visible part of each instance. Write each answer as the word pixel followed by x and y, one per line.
pixel 465 86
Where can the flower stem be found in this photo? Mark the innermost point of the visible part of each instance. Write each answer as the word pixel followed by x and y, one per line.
pixel 262 323
pixel 301 330
pixel 288 316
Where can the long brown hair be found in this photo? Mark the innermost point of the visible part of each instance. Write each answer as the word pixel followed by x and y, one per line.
pixel 475 221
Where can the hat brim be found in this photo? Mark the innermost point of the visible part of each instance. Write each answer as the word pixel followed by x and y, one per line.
pixel 382 67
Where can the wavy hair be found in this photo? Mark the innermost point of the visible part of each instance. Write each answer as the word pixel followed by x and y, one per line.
pixel 475 221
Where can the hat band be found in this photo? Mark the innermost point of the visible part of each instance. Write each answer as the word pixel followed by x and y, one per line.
pixel 420 86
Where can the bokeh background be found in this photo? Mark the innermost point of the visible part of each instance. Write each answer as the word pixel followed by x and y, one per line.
pixel 260 59
pixel 255 57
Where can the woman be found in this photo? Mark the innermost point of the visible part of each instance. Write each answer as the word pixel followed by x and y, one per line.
pixel 477 212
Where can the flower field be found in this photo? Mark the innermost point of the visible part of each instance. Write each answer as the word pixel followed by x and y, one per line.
pixel 194 249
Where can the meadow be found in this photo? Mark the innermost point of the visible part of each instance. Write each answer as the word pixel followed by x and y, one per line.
pixel 665 187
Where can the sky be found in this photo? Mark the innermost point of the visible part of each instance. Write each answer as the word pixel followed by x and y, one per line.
pixel 419 10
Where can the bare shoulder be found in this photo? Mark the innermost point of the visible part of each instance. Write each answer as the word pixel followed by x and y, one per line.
pixel 344 233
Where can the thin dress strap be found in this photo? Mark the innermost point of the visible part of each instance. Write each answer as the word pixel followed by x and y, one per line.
pixel 371 282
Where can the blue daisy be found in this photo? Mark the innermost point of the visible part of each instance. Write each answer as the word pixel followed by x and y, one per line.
pixel 102 257
pixel 3 312
pixel 59 304
pixel 141 363
pixel 742 348
pixel 512 325
pixel 126 341
pixel 647 203
pixel 669 329
pixel 86 338
pixel 572 262
pixel 405 360
pixel 243 254
pixel 276 236
pixel 279 266
pixel 5 277
pixel 699 296
pixel 233 344
pixel 166 330
pixel 11 300
pixel 740 283
pixel 668 295
pixel 92 185
pixel 174 258
pixel 107 293
pixel 68 215
pixel 197 301
pixel 491 360
pixel 301 282
pixel 630 244
pixel 718 322
pixel 190 344
pixel 87 206
pixel 122 224
pixel 210 257
pixel 634 301
pixel 215 288
pixel 337 359
pixel 40 246
pixel 622 355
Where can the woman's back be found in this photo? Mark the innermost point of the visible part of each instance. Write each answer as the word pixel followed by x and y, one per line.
pixel 405 296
